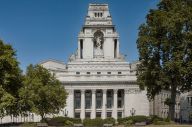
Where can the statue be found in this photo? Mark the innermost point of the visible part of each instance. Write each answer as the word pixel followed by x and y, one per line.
pixel 98 45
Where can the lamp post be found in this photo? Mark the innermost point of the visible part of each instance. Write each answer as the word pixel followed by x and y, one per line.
pixel 65 113
pixel 132 111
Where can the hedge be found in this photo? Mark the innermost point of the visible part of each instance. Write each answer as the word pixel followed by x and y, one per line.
pixel 134 119
pixel 62 121
pixel 109 121
pixel 98 122
pixel 148 119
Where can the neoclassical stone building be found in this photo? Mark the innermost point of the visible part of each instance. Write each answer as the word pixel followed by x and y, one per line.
pixel 97 77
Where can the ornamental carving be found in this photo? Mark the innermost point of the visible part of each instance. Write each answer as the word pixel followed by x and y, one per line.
pixel 70 91
pixel 98 44
pixel 132 91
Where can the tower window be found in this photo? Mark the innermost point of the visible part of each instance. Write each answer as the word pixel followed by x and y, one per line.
pixel 119 73
pixel 115 48
pixel 108 72
pixel 98 14
pixel 81 48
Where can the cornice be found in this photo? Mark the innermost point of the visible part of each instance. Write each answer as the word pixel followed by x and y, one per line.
pixel 133 82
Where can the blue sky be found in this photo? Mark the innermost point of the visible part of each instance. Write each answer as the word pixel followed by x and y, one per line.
pixel 48 29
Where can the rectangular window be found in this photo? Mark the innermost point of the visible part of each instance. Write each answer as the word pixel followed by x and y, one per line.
pixel 98 114
pixel 119 114
pixel 88 104
pixel 77 103
pixel 81 48
pixel 77 73
pixel 108 72
pixel 87 114
pixel 119 104
pixel 98 103
pixel 77 115
pixel 88 73
pixel 99 73
pixel 109 114
pixel 115 48
pixel 109 102
pixel 119 73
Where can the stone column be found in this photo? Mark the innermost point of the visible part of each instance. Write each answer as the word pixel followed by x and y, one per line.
pixel 93 105
pixel 117 48
pixel 69 109
pixel 70 102
pixel 82 104
pixel 79 49
pixel 115 103
pixel 104 104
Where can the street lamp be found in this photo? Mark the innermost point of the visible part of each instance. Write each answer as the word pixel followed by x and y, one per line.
pixel 132 111
pixel 65 113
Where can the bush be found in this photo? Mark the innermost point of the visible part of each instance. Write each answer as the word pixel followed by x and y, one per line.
pixel 161 123
pixel 121 121
pixel 137 119
pixel 133 119
pixel 62 121
pixel 109 121
pixel 128 123
pixel 28 124
pixel 98 122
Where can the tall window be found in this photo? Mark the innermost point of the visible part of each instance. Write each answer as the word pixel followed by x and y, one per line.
pixel 81 48
pixel 99 99
pixel 88 99
pixel 115 48
pixel 109 99
pixel 77 96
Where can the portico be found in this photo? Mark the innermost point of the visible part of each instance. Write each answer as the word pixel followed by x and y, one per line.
pixel 102 103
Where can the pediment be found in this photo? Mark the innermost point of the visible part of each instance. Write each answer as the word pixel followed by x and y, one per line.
pixel 53 65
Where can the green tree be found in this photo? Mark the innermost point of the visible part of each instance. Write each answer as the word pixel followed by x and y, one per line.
pixel 10 80
pixel 165 50
pixel 42 92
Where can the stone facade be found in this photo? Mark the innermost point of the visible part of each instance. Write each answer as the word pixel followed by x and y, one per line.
pixel 99 80
pixel 159 108
pixel 186 107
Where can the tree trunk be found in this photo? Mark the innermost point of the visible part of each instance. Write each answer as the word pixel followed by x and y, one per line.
pixel 42 117
pixel 172 104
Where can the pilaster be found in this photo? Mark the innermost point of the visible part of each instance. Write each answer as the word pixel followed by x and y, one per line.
pixel 82 104
pixel 93 109
pixel 104 104
pixel 115 103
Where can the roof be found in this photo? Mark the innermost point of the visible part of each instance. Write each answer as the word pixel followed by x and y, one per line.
pixel 56 61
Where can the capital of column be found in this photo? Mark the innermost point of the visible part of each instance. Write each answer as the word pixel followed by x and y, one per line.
pixel 104 91
pixel 93 91
pixel 70 91
pixel 82 90
pixel 115 91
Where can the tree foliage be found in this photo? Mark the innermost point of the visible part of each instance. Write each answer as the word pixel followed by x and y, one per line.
pixel 42 92
pixel 10 80
pixel 165 50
